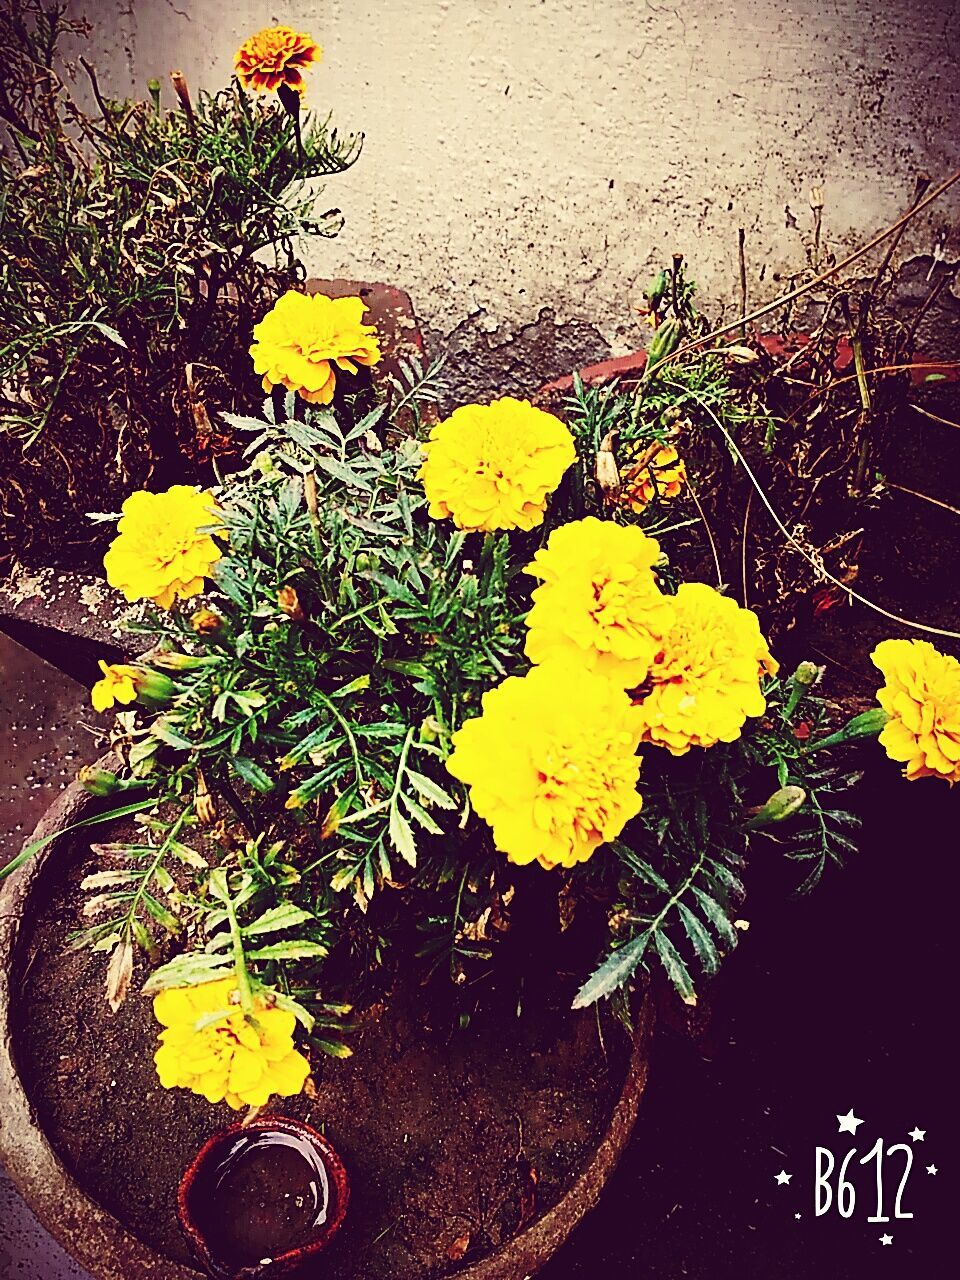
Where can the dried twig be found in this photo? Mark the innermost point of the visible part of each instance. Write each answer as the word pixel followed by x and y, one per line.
pixel 696 343
pixel 902 488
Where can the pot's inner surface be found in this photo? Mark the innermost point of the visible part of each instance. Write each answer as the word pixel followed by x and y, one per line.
pixel 453 1139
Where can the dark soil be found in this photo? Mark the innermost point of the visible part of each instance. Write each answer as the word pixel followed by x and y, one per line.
pixel 453 1139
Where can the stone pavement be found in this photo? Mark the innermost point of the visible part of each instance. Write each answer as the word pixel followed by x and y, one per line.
pixel 42 743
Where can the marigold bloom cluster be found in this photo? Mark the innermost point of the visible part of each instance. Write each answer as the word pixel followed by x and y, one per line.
pixel 160 552
pixel 694 659
pixel 663 477
pixel 600 604
pixel 305 339
pixel 493 466
pixel 921 695
pixel 705 681
pixel 551 764
pixel 215 1049
pixel 273 57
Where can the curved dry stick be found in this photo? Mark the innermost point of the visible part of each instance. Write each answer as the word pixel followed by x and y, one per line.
pixel 823 572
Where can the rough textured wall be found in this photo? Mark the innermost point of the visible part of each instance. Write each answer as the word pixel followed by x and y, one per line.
pixel 530 154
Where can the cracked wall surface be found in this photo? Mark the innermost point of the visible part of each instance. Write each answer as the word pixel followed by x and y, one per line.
pixel 528 163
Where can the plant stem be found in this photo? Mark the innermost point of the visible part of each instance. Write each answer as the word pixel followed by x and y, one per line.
pixel 239 959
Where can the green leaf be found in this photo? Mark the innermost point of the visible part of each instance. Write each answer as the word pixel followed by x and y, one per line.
pixel 613 973
pixel 733 884
pixel 641 869
pixel 420 815
pixel 430 790
pixel 283 916
pixel 251 773
pixel 676 970
pixel 166 919
pixel 108 331
pixel 333 1048
pixel 292 950
pixel 189 857
pixel 717 917
pixel 166 733
pixel 344 473
pixel 28 850
pixel 703 944
pixel 302 1015
pixel 401 837
pixel 188 970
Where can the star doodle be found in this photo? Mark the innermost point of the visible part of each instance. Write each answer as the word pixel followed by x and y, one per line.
pixel 917 1134
pixel 849 1122
pixel 886 1239
pixel 783 1178
pixel 932 1168
pixel 797 1216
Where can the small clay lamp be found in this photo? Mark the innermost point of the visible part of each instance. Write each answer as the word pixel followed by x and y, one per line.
pixel 261 1200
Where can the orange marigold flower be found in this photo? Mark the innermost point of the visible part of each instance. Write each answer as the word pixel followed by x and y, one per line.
pixel 706 678
pixel 662 477
pixel 921 695
pixel 493 466
pixel 118 683
pixel 299 341
pixel 599 605
pixel 162 551
pixel 215 1048
pixel 551 763
pixel 275 56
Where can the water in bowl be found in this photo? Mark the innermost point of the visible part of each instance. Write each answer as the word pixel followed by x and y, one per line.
pixel 266 1193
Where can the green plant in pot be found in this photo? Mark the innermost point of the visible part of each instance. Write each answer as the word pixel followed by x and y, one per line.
pixel 399 681
pixel 138 243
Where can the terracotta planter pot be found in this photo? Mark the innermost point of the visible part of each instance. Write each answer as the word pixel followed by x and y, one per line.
pixel 97 1239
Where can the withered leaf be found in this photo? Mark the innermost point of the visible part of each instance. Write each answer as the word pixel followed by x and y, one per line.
pixel 119 973
pixel 459 1247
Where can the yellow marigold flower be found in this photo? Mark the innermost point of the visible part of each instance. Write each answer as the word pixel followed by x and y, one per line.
pixel 275 56
pixel 298 342
pixel 706 678
pixel 599 605
pixel 213 1048
pixel 117 685
pixel 921 695
pixel 160 553
pixel 493 466
pixel 662 477
pixel 551 764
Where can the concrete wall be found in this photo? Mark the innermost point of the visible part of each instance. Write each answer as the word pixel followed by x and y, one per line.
pixel 530 154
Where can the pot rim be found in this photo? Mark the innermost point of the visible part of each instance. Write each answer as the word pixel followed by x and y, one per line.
pixel 98 1240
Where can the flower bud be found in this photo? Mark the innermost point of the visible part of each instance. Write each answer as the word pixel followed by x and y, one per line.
pixel 664 342
pixel 866 725
pixel 153 687
pixel 807 673
pixel 657 290
pixel 205 622
pixel 288 602
pixel 801 682
pixel 430 729
pixel 783 804
pixel 264 463
pixel 169 660
pixel 101 782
